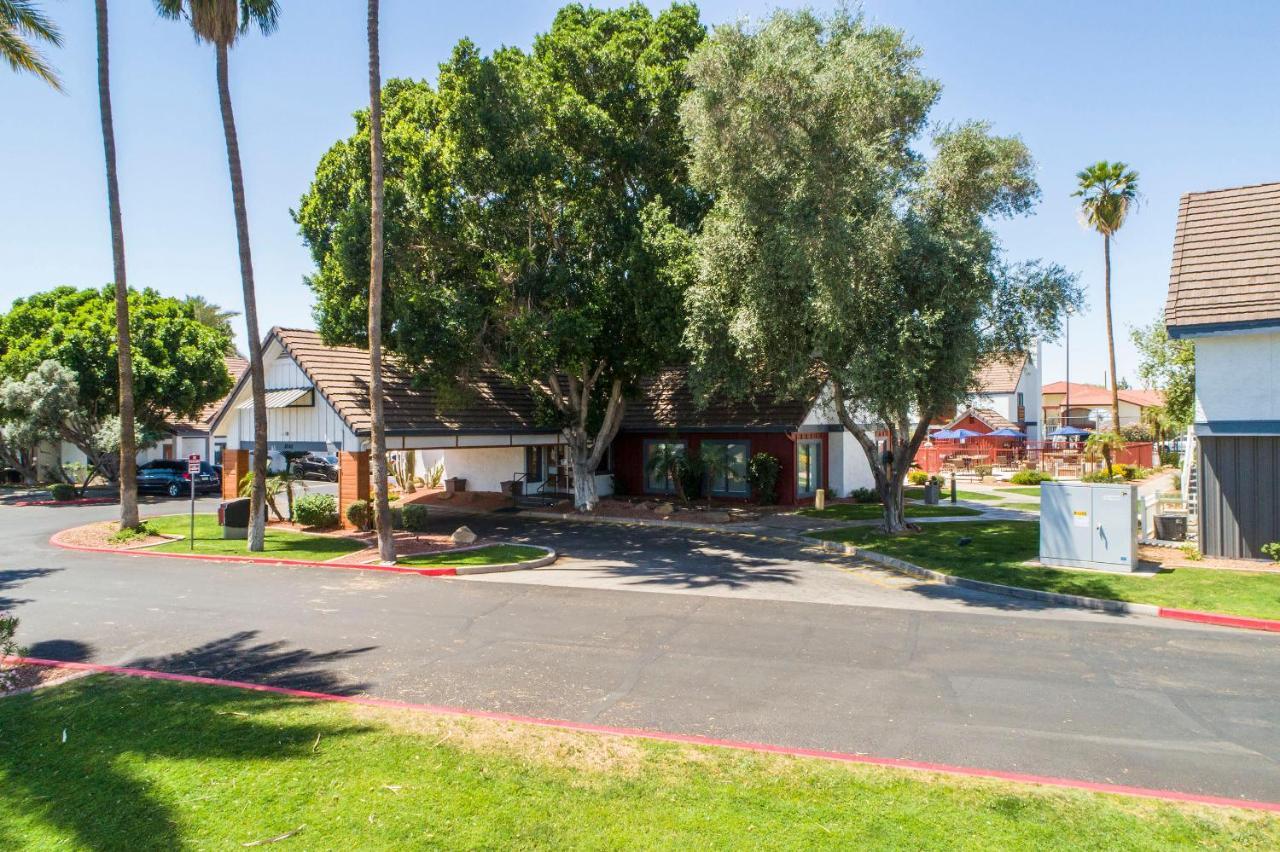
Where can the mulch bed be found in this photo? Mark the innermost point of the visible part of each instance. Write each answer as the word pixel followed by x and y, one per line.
pixel 99 535
pixel 29 677
pixel 471 501
pixel 1168 557
pixel 407 544
pixel 79 501
pixel 624 509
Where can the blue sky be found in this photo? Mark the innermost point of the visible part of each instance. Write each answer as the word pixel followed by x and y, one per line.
pixel 1183 91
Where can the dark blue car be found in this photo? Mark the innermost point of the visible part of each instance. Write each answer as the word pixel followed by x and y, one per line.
pixel 170 477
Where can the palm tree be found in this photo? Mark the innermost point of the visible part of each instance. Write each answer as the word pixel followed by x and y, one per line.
pixel 212 315
pixel 378 435
pixel 221 22
pixel 1107 191
pixel 21 23
pixel 124 347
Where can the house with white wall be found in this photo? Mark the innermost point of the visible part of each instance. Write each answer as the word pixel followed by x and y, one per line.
pixel 1224 295
pixel 1010 387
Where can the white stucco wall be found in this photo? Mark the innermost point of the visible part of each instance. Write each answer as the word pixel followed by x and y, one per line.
pixel 486 468
pixel 301 424
pixel 1238 377
pixel 847 461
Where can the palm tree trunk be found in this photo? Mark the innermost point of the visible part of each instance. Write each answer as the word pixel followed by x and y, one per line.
pixel 124 349
pixel 257 380
pixel 378 435
pixel 1111 337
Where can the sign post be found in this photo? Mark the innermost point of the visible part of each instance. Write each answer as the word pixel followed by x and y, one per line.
pixel 193 471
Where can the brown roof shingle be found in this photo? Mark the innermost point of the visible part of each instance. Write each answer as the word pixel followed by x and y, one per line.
pixel 665 402
pixel 1226 258
pixel 1000 375
pixel 341 375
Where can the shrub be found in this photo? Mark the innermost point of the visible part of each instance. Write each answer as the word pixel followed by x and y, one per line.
pixel 983 469
pixel 1137 432
pixel 762 473
pixel 316 510
pixel 917 477
pixel 1272 550
pixel 397 517
pixel 1170 458
pixel 1101 476
pixel 360 513
pixel 61 491
pixel 8 647
pixel 1191 552
pixel 414 517
pixel 1030 477
pixel 864 495
pixel 1124 471
pixel 125 535
pixel 690 470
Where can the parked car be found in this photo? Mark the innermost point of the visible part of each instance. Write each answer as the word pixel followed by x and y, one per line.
pixel 317 466
pixel 169 476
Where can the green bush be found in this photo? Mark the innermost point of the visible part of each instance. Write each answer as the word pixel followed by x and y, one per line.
pixel 762 473
pixel 1030 477
pixel 917 477
pixel 1272 550
pixel 316 510
pixel 360 513
pixel 61 491
pixel 983 469
pixel 414 517
pixel 864 495
pixel 1101 476
pixel 1170 458
pixel 691 471
pixel 1124 471
pixel 8 647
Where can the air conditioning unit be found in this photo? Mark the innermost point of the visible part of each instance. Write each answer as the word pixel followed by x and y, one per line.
pixel 1089 526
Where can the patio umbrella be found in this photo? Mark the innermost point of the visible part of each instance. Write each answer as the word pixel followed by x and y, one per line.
pixel 944 434
pixel 966 433
pixel 1007 432
pixel 1068 432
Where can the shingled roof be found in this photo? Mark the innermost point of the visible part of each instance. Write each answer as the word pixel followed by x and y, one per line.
pixel 341 375
pixel 1000 375
pixel 236 367
pixel 1226 260
pixel 665 402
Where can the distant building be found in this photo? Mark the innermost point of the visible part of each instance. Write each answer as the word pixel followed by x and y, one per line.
pixel 1011 389
pixel 1090 405
pixel 1224 294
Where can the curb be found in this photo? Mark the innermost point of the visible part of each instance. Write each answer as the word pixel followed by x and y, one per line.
pixel 690 739
pixel 303 563
pixel 1057 598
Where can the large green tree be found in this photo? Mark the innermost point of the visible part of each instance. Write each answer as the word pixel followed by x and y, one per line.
pixel 838 262
pixel 221 23
pixel 177 361
pixel 1169 366
pixel 537 214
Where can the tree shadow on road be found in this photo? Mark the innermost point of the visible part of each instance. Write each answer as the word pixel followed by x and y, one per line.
pixel 103 784
pixel 14 577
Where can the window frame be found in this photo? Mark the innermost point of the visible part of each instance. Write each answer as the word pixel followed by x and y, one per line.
pixel 745 443
pixel 644 464
pixel 819 482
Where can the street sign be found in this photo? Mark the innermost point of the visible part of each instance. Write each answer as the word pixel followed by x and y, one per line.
pixel 193 470
pixel 193 463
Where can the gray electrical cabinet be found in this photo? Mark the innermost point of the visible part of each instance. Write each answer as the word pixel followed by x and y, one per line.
pixel 1089 526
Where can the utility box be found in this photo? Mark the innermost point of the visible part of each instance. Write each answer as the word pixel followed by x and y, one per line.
pixel 1089 526
pixel 233 517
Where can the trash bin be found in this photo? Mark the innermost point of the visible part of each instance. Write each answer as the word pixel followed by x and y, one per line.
pixel 233 517
pixel 932 492
pixel 1171 527
pixel 454 485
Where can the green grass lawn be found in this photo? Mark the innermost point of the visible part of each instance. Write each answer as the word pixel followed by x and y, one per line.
pixel 154 765
pixel 874 511
pixel 1024 490
pixel 979 496
pixel 998 548
pixel 494 554
pixel 280 543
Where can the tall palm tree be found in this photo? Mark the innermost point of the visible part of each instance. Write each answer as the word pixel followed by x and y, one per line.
pixel 21 23
pixel 124 346
pixel 214 316
pixel 221 22
pixel 378 434
pixel 1107 191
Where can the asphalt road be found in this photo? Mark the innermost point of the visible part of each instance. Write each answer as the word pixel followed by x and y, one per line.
pixel 693 633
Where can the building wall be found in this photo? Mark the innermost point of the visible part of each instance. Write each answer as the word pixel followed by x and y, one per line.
pixel 483 469
pixel 1238 378
pixel 628 456
pixel 847 465
pixel 1239 506
pixel 315 426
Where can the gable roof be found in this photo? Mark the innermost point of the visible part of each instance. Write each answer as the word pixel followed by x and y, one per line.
pixel 1000 375
pixel 1226 261
pixel 665 402
pixel 341 375
pixel 989 416
pixel 1084 394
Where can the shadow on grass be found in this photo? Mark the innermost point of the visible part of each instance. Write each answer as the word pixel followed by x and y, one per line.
pixel 94 787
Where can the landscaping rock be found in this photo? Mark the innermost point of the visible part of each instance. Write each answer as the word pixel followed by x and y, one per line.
pixel 715 517
pixel 664 509
pixel 463 535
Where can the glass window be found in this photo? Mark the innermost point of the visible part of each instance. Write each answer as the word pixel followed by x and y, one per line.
pixel 726 464
pixel 659 457
pixel 808 468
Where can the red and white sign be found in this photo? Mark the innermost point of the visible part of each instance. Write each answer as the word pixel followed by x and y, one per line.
pixel 193 463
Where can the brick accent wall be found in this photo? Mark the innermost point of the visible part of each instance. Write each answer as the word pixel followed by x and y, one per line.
pixel 235 464
pixel 353 482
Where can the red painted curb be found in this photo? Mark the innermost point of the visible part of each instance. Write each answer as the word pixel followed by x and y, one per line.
pixel 692 739
pixel 1221 620
pixel 257 560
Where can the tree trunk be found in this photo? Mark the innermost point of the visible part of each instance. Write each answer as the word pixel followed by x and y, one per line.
pixel 1111 338
pixel 585 497
pixel 257 379
pixel 378 454
pixel 585 454
pixel 124 349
